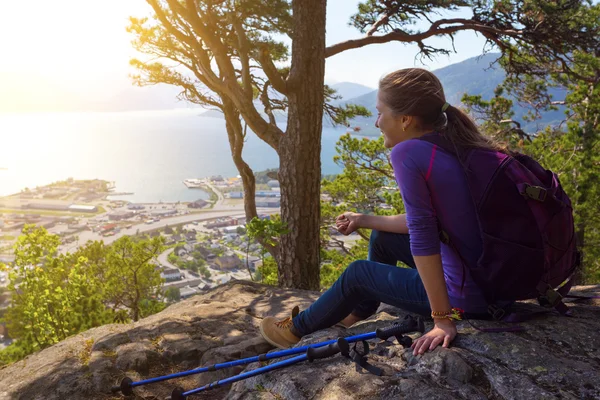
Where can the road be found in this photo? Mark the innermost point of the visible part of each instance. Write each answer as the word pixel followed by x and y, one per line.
pixel 242 273
pixel 163 258
pixel 182 219
pixel 220 197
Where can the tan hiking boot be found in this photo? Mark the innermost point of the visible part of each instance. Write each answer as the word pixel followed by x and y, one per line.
pixel 279 332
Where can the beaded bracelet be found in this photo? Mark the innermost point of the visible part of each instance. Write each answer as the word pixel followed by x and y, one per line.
pixel 455 314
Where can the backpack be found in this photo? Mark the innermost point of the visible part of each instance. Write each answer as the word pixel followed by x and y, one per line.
pixel 526 225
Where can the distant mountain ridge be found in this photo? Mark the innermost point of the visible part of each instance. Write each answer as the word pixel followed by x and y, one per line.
pixel 346 90
pixel 474 76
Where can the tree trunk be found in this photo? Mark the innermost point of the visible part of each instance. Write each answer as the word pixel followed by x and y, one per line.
pixel 136 300
pixel 235 135
pixel 300 149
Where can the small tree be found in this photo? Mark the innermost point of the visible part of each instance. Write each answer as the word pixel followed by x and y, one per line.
pixel 132 277
pixel 52 296
pixel 173 294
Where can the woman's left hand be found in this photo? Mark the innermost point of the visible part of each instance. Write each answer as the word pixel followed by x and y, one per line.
pixel 444 331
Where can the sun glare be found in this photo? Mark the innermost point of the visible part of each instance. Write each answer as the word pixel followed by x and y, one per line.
pixel 63 46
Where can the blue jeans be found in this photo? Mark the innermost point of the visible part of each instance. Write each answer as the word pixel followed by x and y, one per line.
pixel 366 283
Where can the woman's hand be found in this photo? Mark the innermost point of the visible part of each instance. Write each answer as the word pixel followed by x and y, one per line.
pixel 444 331
pixel 347 222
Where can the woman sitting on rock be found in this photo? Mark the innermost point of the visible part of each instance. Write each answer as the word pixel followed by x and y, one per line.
pixel 411 105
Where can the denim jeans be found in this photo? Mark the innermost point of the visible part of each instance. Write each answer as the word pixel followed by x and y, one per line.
pixel 366 283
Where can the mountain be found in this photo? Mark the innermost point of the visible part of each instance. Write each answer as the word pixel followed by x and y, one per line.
pixel 350 90
pixel 347 90
pixel 475 76
pixel 35 93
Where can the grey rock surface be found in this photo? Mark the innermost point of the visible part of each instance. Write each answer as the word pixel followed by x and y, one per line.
pixel 556 357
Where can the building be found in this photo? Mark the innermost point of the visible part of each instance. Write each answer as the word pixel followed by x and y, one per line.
pixel 228 262
pixel 272 193
pixel 233 229
pixel 223 279
pixel 82 208
pixel 186 292
pixel 200 203
pixel 163 213
pixel 190 237
pixel 107 228
pixel 182 251
pixel 268 202
pixel 120 215
pixel 235 195
pixel 133 206
pixel 221 222
pixel 171 274
pixel 46 206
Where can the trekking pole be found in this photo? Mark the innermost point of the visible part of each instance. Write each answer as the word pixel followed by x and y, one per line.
pixel 410 324
pixel 313 353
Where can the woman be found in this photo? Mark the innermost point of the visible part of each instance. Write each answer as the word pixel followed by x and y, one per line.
pixel 411 105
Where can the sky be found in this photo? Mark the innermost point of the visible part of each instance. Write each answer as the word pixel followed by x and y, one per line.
pixel 54 51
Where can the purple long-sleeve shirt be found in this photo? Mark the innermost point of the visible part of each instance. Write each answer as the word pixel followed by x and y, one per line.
pixel 434 187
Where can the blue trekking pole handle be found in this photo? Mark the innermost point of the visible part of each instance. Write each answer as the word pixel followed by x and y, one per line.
pixel 408 325
pixel 313 353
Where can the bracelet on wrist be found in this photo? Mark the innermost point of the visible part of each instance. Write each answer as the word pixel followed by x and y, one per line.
pixel 454 314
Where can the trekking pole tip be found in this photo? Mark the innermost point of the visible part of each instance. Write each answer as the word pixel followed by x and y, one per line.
pixel 177 394
pixel 124 387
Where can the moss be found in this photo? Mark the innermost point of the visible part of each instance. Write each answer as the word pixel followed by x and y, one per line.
pixel 156 344
pixel 110 354
pixel 86 353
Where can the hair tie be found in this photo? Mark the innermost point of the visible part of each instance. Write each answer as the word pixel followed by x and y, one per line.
pixel 445 106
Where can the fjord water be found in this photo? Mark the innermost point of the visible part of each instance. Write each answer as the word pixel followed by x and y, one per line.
pixel 148 153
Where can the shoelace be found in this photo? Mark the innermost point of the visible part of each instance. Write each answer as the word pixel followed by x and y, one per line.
pixel 284 323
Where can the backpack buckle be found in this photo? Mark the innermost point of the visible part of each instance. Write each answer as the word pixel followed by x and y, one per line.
pixel 497 312
pixel 552 297
pixel 548 296
pixel 535 192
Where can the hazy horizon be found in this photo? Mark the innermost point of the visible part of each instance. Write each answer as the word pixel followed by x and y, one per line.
pixel 69 55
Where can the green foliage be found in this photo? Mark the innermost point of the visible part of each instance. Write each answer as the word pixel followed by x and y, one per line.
pixel 366 185
pixel 341 114
pixel 262 177
pixel 149 307
pixel 172 258
pixel 204 271
pixel 131 275
pixel 267 272
pixel 334 262
pixel 266 231
pixel 54 296
pixel 367 180
pixel 173 294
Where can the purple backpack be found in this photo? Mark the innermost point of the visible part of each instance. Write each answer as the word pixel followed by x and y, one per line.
pixel 526 225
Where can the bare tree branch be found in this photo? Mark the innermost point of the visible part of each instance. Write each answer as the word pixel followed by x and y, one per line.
pixel 436 29
pixel 270 70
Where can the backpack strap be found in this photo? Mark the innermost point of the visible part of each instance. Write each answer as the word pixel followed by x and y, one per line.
pixel 360 358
